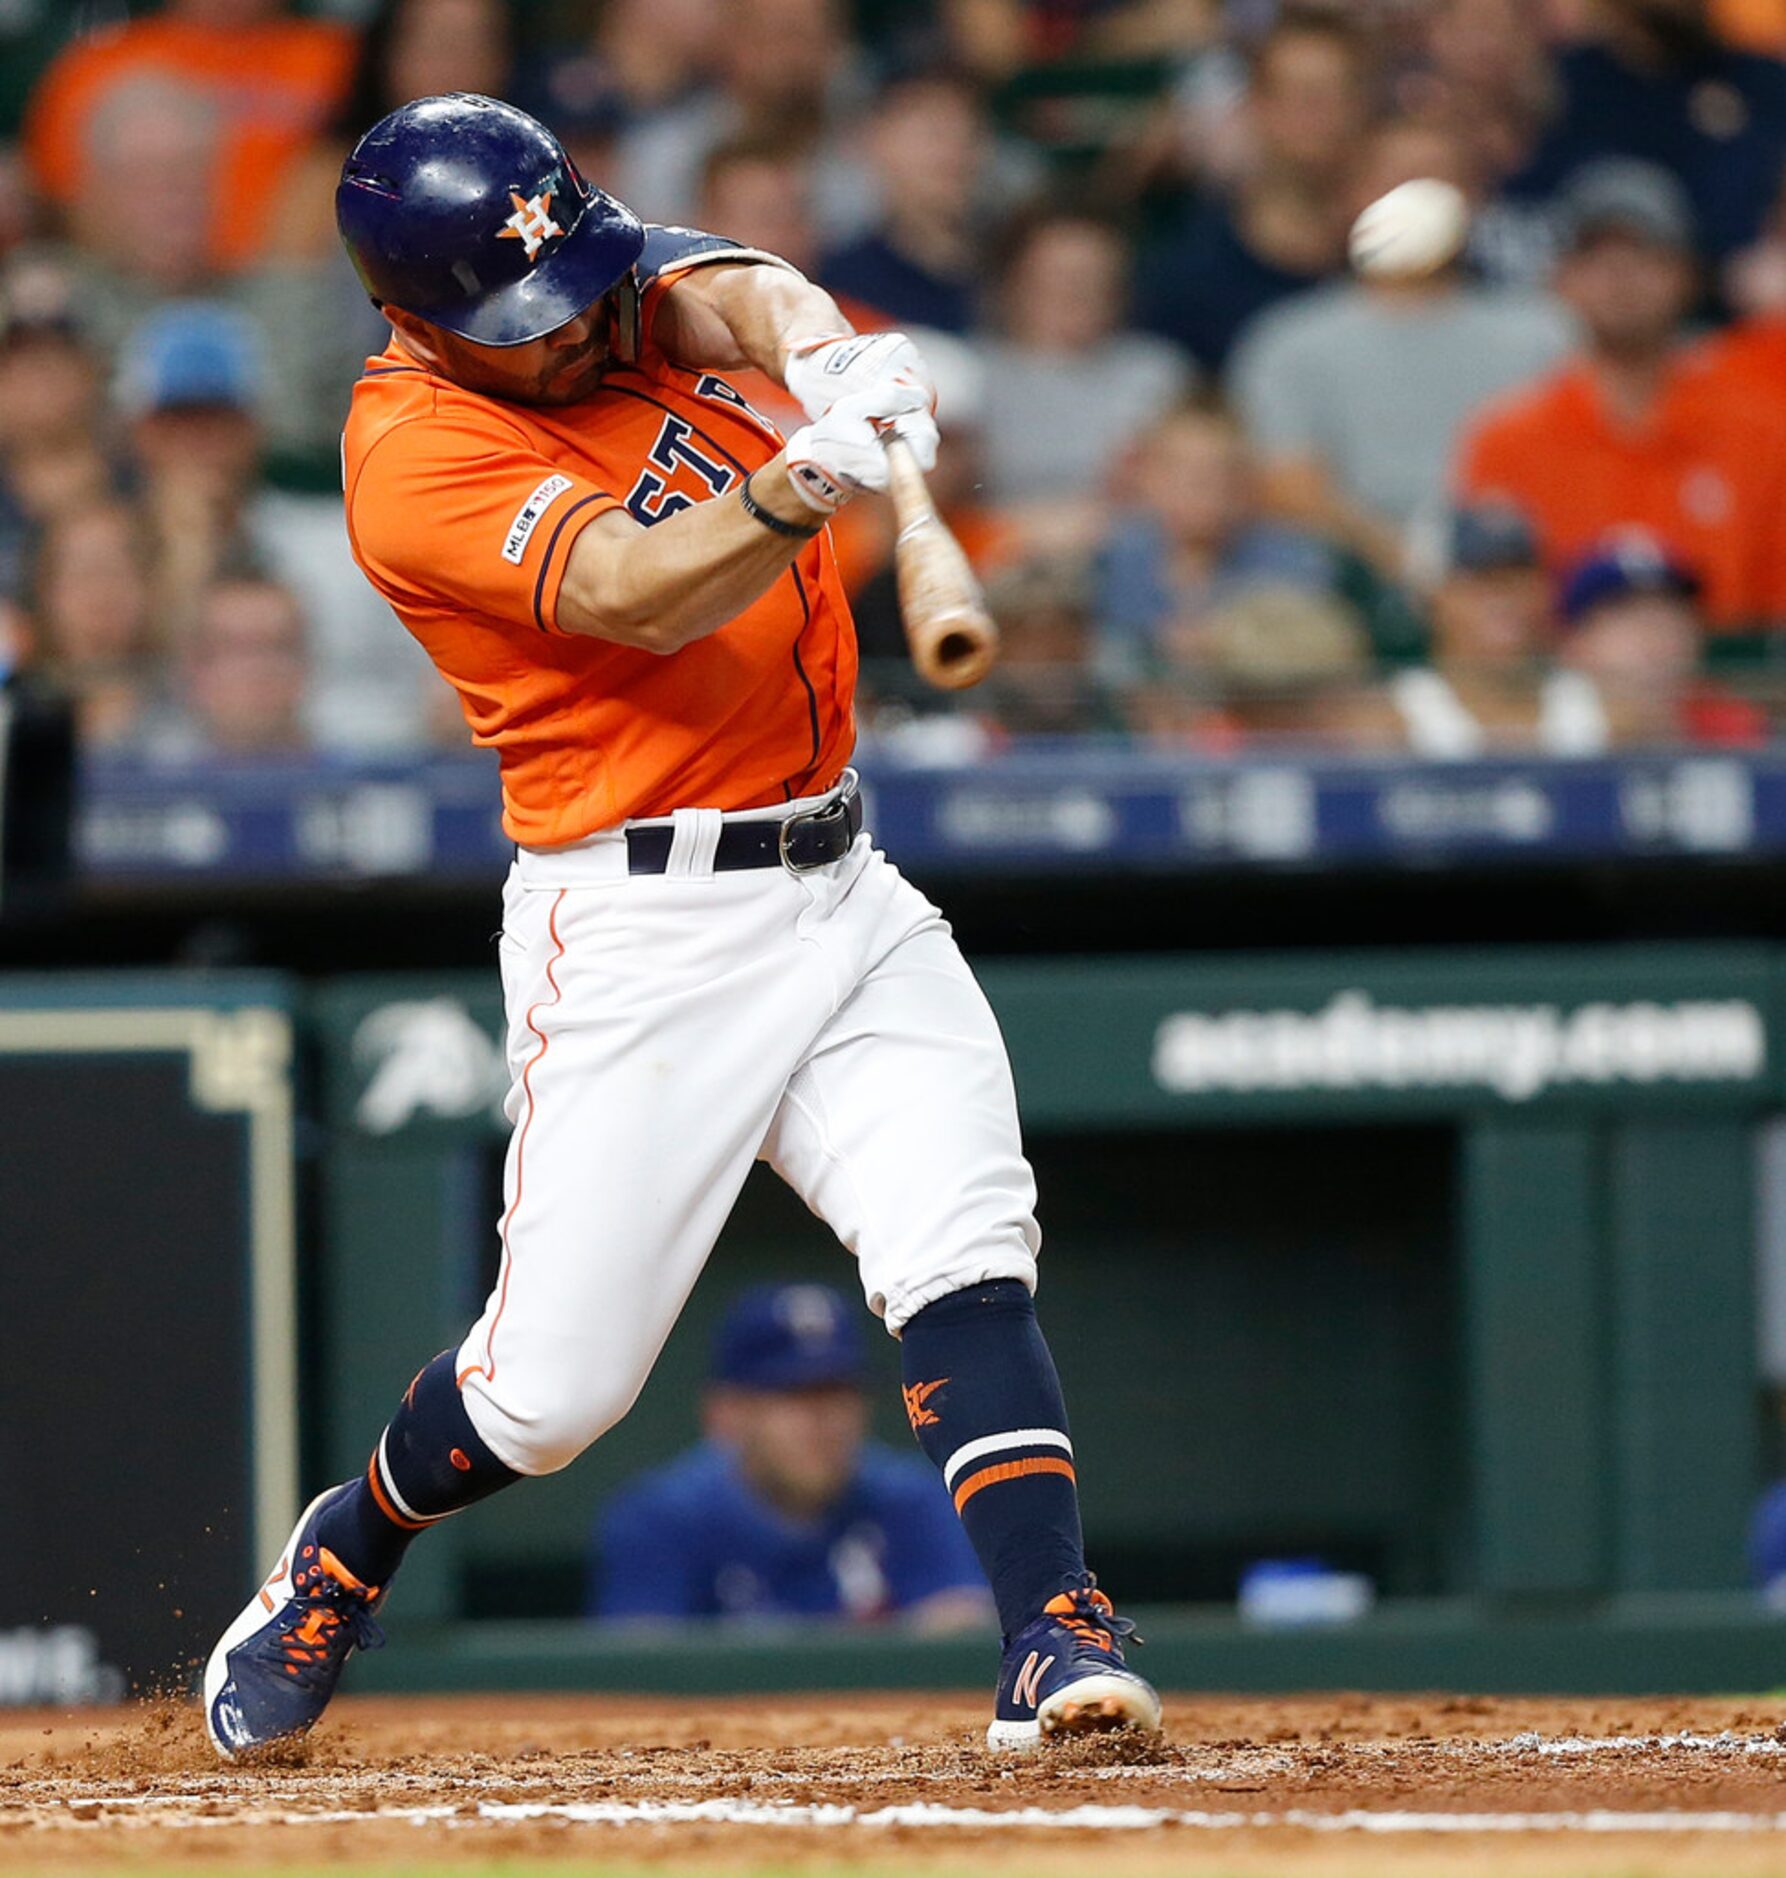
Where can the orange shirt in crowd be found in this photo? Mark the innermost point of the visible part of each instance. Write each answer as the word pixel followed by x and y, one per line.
pixel 1705 473
pixel 274 85
pixel 463 511
pixel 1752 356
pixel 1755 25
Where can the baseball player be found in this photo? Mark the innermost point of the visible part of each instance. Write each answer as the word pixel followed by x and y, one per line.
pixel 624 571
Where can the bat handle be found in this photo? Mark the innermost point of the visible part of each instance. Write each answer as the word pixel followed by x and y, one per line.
pixel 952 636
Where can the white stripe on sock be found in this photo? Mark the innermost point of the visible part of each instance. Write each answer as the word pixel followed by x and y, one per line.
pixel 397 1499
pixel 992 1444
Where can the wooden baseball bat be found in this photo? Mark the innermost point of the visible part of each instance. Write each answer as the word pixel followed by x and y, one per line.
pixel 953 640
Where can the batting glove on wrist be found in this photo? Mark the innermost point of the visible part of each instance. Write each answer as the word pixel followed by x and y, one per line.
pixel 843 450
pixel 820 372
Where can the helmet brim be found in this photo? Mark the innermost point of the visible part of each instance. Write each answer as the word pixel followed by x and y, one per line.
pixel 589 262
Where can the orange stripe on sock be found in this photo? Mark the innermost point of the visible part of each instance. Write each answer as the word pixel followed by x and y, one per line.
pixel 1012 1470
pixel 384 1500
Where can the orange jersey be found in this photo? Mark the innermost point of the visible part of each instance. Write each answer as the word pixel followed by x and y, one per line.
pixel 1752 356
pixel 463 510
pixel 271 87
pixel 1705 472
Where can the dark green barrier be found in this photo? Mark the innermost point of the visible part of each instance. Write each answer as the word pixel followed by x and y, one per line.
pixel 1440 1264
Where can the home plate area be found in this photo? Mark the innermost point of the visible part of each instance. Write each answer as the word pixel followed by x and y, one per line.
pixel 884 1783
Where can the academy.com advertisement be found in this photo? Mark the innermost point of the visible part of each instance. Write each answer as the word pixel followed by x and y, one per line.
pixel 1513 1051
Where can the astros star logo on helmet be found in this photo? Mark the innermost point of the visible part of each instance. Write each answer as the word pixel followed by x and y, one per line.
pixel 531 222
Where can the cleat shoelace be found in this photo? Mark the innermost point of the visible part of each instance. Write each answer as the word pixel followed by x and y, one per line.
pixel 325 1633
pixel 325 1622
pixel 1091 1618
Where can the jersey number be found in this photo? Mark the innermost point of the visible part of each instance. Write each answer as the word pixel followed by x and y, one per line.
pixel 652 499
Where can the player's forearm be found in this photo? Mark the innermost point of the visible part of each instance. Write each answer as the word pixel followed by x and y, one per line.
pixel 664 587
pixel 727 317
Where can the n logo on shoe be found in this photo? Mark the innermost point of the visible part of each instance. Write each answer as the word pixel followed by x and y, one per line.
pixel 1026 1691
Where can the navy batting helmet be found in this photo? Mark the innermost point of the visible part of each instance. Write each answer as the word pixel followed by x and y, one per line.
pixel 471 215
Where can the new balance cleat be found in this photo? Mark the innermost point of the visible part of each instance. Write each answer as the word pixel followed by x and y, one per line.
pixel 1064 1675
pixel 275 1668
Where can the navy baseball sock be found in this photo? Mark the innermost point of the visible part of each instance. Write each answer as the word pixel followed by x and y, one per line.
pixel 429 1462
pixel 984 1401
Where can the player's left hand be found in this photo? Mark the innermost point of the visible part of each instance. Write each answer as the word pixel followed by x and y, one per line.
pixel 843 451
pixel 821 371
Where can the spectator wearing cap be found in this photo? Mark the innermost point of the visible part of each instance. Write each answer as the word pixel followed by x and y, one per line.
pixel 1652 81
pixel 1354 394
pixel 1279 228
pixel 785 1509
pixel 1632 631
pixel 1489 686
pixel 189 385
pixel 1639 428
pixel 256 80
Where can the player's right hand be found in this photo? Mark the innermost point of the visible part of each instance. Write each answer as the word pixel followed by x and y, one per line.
pixel 843 452
pixel 822 372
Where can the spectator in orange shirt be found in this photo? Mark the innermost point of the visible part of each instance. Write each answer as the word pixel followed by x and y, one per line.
pixel 1639 429
pixel 269 80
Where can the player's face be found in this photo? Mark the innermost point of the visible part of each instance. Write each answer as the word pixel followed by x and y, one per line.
pixel 798 1446
pixel 567 364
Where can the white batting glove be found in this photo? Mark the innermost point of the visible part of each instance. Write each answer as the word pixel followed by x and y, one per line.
pixel 821 371
pixel 843 450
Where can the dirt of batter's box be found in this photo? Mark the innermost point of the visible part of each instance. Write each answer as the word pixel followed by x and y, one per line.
pixel 904 1778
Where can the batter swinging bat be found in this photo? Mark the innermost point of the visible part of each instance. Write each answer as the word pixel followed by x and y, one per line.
pixel 953 640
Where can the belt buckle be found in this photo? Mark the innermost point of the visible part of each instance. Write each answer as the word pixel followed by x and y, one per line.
pixel 835 810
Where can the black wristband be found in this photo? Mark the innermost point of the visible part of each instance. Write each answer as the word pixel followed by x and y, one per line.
pixel 757 513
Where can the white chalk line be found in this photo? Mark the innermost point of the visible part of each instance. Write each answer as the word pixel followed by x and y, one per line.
pixel 783 1814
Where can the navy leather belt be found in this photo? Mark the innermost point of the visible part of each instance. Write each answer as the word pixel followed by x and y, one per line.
pixel 799 842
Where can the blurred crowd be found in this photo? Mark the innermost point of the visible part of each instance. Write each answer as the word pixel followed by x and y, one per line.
pixel 1221 488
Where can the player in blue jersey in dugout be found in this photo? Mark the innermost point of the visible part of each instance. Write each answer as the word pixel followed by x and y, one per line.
pixel 785 1508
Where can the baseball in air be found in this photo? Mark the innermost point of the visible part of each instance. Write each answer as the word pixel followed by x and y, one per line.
pixel 1413 230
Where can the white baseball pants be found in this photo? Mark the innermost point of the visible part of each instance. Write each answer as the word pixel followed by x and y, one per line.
pixel 664 1032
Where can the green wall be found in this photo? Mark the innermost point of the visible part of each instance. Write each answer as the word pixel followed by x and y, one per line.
pixel 1440 1264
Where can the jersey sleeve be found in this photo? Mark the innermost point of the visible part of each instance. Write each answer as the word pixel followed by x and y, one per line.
pixel 460 510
